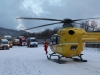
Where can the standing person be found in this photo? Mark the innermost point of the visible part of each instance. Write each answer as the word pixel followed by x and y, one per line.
pixel 20 40
pixel 45 46
pixel 18 43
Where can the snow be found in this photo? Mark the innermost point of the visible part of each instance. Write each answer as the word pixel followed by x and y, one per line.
pixel 33 61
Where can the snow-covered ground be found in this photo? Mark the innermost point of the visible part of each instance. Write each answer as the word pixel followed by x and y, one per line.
pixel 33 61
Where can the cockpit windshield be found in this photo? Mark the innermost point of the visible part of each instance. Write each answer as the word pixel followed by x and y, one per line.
pixel 4 42
pixel 9 39
pixel 33 40
pixel 55 39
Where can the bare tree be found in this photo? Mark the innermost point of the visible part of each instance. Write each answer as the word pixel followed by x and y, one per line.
pixel 85 25
pixel 94 25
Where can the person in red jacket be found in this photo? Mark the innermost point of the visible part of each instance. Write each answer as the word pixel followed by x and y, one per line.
pixel 20 40
pixel 45 46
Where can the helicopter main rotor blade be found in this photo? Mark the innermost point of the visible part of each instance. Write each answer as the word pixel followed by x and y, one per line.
pixel 86 19
pixel 39 19
pixel 43 25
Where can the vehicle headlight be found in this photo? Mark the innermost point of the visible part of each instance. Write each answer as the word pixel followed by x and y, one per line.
pixel 1 45
pixel 8 45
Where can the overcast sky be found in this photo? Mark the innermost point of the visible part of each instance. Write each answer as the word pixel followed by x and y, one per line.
pixel 60 9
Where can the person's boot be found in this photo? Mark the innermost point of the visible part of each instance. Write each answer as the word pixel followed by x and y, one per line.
pixel 46 52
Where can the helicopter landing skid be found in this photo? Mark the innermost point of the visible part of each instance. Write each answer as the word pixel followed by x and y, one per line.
pixel 56 60
pixel 80 59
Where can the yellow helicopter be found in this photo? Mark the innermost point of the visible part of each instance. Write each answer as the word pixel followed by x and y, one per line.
pixel 69 41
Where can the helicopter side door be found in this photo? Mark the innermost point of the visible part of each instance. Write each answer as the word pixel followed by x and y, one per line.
pixel 54 41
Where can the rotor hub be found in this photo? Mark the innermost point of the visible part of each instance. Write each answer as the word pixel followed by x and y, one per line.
pixel 67 21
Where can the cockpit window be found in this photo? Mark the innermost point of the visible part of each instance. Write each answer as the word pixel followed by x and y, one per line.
pixel 4 42
pixel 23 40
pixel 8 38
pixel 33 40
pixel 55 39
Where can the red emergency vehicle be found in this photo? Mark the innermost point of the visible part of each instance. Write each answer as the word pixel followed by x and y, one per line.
pixel 22 41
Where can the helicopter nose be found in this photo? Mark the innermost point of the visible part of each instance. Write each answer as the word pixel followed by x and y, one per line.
pixel 71 32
